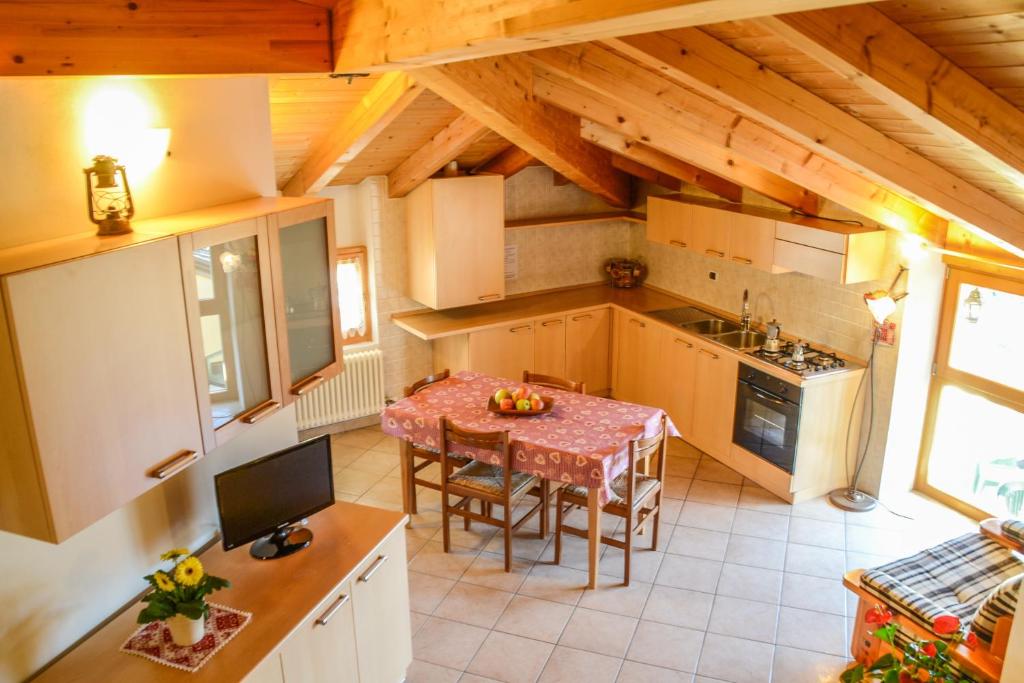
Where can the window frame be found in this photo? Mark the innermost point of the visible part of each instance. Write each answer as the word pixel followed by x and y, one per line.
pixel 359 253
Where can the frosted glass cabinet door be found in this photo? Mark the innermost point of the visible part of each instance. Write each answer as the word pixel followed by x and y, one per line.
pixel 228 295
pixel 306 295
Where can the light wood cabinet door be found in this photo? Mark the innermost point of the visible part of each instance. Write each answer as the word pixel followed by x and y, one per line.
pixel 710 231
pixel 637 361
pixel 752 241
pixel 669 222
pixel 380 596
pixel 110 406
pixel 323 649
pixel 549 351
pixel 587 349
pixel 680 367
pixel 715 388
pixel 502 351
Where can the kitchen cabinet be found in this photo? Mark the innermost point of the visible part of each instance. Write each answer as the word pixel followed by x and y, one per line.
pixel 323 648
pixel 380 597
pixel 588 349
pixel 715 373
pixel 306 312
pixel 456 241
pixel 710 231
pixel 853 255
pixel 99 403
pixel 230 309
pixel 751 241
pixel 502 351
pixel 637 360
pixel 669 222
pixel 549 350
pixel 679 352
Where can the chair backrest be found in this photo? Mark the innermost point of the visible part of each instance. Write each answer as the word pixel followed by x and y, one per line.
pixel 554 382
pixel 643 449
pixel 491 441
pixel 426 382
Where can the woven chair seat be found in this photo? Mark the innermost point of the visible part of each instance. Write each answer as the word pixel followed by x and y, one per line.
pixel 490 479
pixel 644 485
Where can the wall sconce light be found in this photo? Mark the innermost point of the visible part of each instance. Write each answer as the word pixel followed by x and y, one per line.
pixel 882 302
pixel 973 303
pixel 109 197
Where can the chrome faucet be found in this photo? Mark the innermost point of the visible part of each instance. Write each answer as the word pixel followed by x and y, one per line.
pixel 745 317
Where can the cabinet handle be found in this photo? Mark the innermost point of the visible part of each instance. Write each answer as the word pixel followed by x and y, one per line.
pixel 713 355
pixel 329 612
pixel 715 252
pixel 678 243
pixel 683 341
pixel 377 564
pixel 488 297
pixel 180 461
pixel 520 327
pixel 637 322
pixel 308 385
pixel 585 316
pixel 742 259
pixel 260 412
pixel 551 322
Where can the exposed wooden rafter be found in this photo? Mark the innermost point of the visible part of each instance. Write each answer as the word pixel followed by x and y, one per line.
pixel 653 96
pixel 449 142
pixel 507 162
pixel 373 35
pixel 390 96
pixel 496 92
pixel 651 175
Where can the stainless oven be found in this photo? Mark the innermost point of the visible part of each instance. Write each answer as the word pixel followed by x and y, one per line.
pixel 767 417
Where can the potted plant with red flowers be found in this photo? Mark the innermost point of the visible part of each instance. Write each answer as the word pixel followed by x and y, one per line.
pixel 921 660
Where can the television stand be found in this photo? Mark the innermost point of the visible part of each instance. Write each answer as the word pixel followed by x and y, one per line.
pixel 283 542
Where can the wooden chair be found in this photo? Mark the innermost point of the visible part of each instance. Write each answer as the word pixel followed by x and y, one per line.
pixel 635 493
pixel 428 456
pixel 553 382
pixel 490 484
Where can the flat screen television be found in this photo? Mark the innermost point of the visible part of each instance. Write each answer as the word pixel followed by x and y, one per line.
pixel 262 500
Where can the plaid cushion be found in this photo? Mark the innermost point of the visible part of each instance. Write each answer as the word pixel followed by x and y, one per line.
pixel 1014 530
pixel 1002 602
pixel 952 578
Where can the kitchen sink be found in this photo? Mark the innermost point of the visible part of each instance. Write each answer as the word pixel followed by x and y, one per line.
pixel 741 339
pixel 683 315
pixel 711 327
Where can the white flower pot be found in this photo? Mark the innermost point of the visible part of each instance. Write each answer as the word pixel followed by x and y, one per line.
pixel 185 631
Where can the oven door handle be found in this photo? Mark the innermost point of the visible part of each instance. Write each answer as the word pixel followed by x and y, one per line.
pixel 770 399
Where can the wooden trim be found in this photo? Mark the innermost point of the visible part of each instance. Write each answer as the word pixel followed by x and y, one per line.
pixel 448 143
pixel 507 162
pixel 573 219
pixel 359 253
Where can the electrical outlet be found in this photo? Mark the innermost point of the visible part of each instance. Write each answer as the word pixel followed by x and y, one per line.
pixel 712 275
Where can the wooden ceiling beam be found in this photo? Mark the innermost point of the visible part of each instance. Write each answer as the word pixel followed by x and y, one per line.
pixel 655 97
pixel 388 98
pixel 448 143
pixel 661 163
pixel 375 35
pixel 717 71
pixel 98 37
pixel 651 175
pixel 507 162
pixel 497 92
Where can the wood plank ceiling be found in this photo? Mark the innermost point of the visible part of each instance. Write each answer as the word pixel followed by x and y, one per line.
pixel 925 157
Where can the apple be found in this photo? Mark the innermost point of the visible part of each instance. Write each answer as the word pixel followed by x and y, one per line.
pixel 535 396
pixel 536 403
pixel 523 404
pixel 507 403
pixel 500 395
pixel 523 392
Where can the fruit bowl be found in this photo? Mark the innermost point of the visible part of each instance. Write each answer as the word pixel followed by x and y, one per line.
pixel 493 406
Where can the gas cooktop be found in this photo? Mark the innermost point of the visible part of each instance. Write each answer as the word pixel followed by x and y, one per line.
pixel 802 359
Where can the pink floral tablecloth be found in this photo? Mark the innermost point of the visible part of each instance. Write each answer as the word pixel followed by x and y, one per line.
pixel 584 440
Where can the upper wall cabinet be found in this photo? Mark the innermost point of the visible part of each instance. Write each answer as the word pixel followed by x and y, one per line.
pixel 854 255
pixel 98 400
pixel 669 222
pixel 456 241
pixel 305 287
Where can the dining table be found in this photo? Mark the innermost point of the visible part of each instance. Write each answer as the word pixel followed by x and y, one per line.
pixel 583 440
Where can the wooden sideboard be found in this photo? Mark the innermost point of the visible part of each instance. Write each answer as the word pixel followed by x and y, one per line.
pixel 336 611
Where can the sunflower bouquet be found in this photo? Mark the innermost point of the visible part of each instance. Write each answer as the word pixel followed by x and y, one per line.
pixel 180 590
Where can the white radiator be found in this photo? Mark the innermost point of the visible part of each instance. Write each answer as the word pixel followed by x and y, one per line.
pixel 356 392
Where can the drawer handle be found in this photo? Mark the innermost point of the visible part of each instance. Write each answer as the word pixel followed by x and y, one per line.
pixel 308 385
pixel 377 564
pixel 551 322
pixel 488 297
pixel 637 322
pixel 330 611
pixel 520 327
pixel 715 252
pixel 180 461
pixel 713 355
pixel 585 316
pixel 743 259
pixel 260 412
pixel 678 243
pixel 683 341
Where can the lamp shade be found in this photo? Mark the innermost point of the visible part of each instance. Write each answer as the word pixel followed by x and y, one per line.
pixel 881 304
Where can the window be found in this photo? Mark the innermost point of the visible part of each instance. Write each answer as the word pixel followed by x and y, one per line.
pixel 973 456
pixel 354 295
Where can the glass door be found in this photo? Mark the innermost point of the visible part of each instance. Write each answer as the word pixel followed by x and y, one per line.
pixel 306 296
pixel 230 319
pixel 973 455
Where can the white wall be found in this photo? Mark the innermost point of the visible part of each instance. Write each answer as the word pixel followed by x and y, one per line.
pixel 220 151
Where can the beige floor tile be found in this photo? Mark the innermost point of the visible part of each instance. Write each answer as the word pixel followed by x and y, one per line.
pixel 644 566
pixel 714 493
pixel 473 678
pixel 635 672
pixel 866 560
pixel 817 532
pixel 511 659
pixel 342 456
pixel 425 672
pixel 735 659
pixel 750 583
pixel 416 620
pixel 812 631
pixel 387 445
pixel 756 552
pixel 691 573
pixel 756 498
pixel 677 487
pixel 703 543
pixel 346 497
pixel 676 466
pixel 679 607
pixel 386 489
pixel 819 508
pixel 567 665
pixel 525 544
pixel 447 643
pixel 375 462
pixel 744 619
pixel 761 524
pixel 575 552
pixel 432 559
pixel 599 632
pixel 413 544
pixel 473 604
pixel 477 538
pixel 362 438
pixel 704 516
pixel 670 510
pixel 613 597
pixel 679 448
pixel 712 470
pixel 815 561
pixel 488 569
pixel 354 482
pixel 814 593
pixel 533 618
pixel 666 646
pixel 558 584
pixel 792 664
pixel 427 591
pixel 378 503
pixel 865 539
